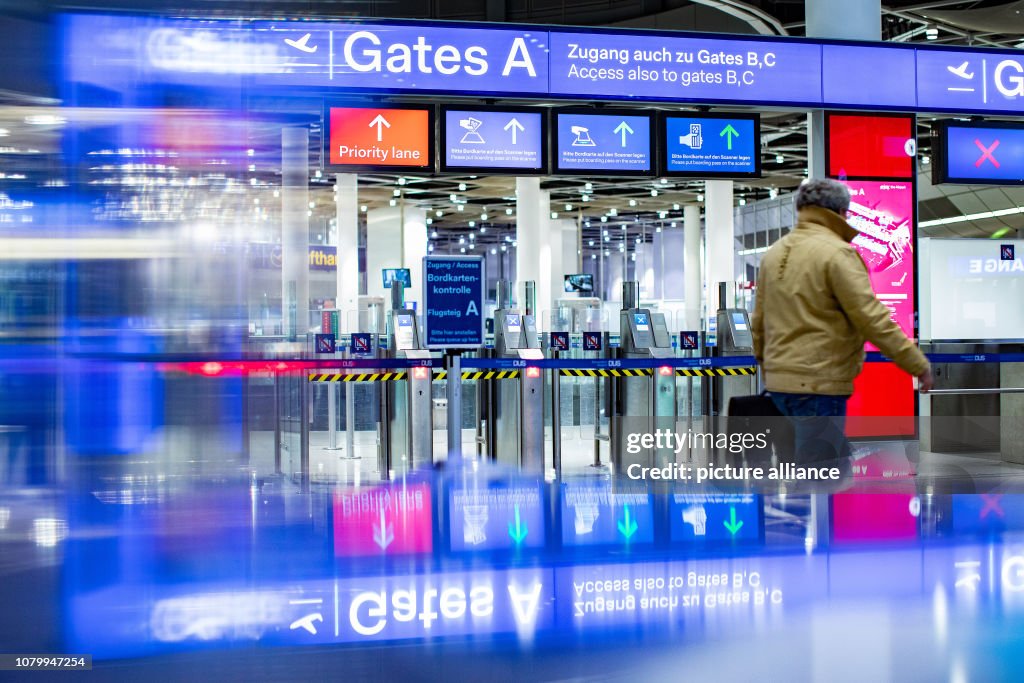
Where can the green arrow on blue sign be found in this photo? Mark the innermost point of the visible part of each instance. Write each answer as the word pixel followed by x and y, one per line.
pixel 519 531
pixel 732 524
pixel 627 526
pixel 731 132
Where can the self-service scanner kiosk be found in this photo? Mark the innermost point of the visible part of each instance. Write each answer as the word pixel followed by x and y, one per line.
pixel 643 403
pixel 735 338
pixel 515 434
pixel 408 419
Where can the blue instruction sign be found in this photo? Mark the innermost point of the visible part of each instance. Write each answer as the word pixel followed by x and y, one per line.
pixel 362 342
pixel 689 339
pixel 325 343
pixel 711 146
pixel 1006 252
pixel 700 517
pixel 483 139
pixel 591 341
pixel 559 341
pixel 606 143
pixel 453 297
pixel 595 514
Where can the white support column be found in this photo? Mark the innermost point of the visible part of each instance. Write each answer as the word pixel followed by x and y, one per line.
pixel 840 20
pixel 385 229
pixel 692 267
pixel 719 239
pixel 414 248
pixel 346 232
pixel 533 212
pixel 295 232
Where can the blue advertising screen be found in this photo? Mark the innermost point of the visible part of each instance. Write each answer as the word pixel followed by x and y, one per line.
pixel 711 146
pixel 606 143
pixel 481 139
pixel 453 301
pixel 977 154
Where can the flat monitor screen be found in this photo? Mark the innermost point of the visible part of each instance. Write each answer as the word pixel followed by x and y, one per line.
pixel 400 274
pixel 739 321
pixel 870 146
pixel 641 322
pixel 580 282
pixel 494 140
pixel 601 142
pixel 513 322
pixel 368 139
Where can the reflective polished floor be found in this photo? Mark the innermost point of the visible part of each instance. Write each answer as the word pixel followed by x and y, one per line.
pixel 471 572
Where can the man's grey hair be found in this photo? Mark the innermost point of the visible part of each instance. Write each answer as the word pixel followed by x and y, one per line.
pixel 824 192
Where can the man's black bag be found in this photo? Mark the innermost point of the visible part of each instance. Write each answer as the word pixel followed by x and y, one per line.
pixel 759 415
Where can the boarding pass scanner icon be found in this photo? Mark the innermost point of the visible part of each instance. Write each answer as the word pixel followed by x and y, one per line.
pixel 583 138
pixel 694 139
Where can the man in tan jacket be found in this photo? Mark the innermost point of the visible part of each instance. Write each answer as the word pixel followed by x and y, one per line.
pixel 815 309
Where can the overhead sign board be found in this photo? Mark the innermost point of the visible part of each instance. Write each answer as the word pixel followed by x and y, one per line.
pixel 493 140
pixel 979 153
pixel 603 143
pixel 709 146
pixel 453 298
pixel 368 138
pixel 978 81
pixel 532 61
pixel 662 66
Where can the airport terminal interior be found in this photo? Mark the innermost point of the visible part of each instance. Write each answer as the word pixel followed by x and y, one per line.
pixel 416 341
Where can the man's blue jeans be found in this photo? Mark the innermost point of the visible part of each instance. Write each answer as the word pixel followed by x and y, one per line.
pixel 819 423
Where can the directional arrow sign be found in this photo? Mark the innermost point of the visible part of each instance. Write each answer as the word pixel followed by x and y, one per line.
pixel 624 128
pixel 519 531
pixel 731 133
pixel 382 122
pixel 515 127
pixel 627 525
pixel 732 524
pixel 383 535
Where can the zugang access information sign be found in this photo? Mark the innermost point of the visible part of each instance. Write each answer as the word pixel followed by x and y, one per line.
pixel 124 53
pixel 453 301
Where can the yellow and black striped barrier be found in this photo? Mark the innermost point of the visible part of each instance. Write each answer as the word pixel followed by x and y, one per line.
pixel 641 372
pixel 360 377
pixel 714 372
pixel 396 376
pixel 483 375
pixel 512 374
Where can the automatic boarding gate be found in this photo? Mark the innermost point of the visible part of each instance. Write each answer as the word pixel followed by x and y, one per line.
pixel 407 426
pixel 646 403
pixel 515 407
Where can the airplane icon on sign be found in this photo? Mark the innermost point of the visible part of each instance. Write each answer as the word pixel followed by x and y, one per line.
pixel 960 71
pixel 303 44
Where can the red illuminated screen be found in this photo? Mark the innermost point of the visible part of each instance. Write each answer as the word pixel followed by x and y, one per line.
pixel 883 211
pixel 863 146
pixel 873 517
pixel 383 520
